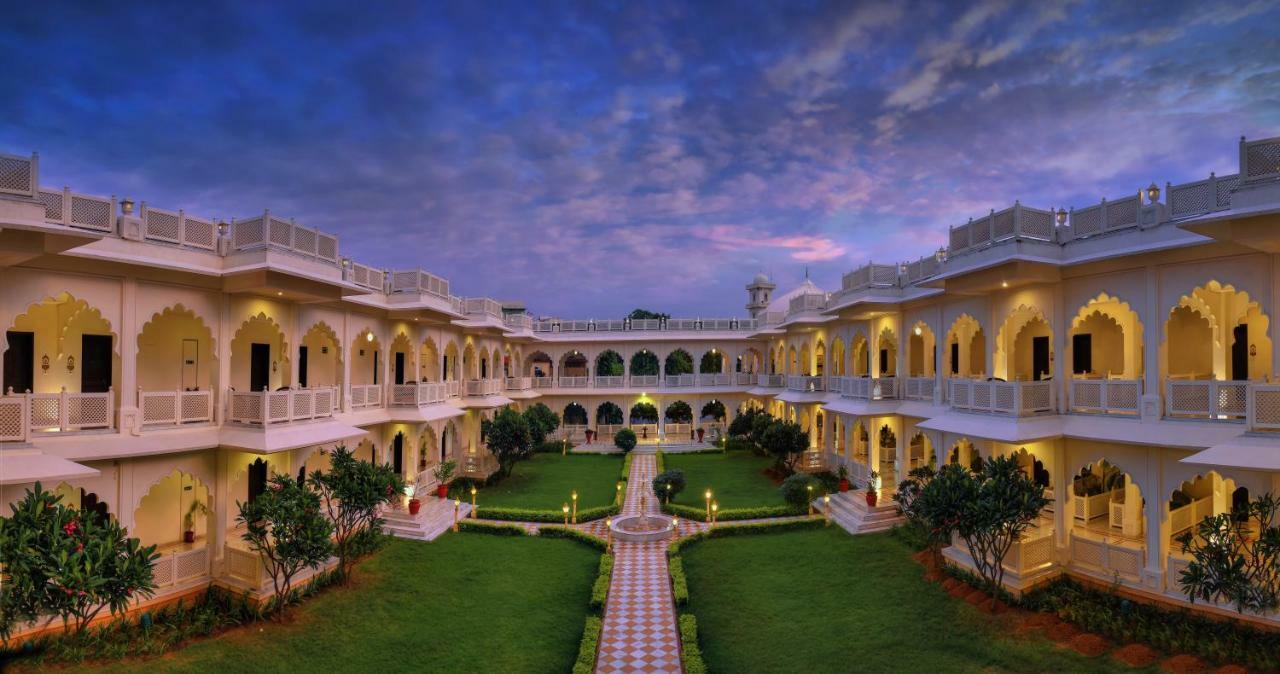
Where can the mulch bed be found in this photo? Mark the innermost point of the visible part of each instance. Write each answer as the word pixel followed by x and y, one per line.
pixel 1184 664
pixel 1136 655
pixel 1062 632
pixel 1089 645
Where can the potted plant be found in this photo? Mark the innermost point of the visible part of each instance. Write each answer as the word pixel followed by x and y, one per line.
pixel 415 505
pixel 873 483
pixel 591 436
pixel 843 473
pixel 443 473
pixel 189 521
pixel 701 432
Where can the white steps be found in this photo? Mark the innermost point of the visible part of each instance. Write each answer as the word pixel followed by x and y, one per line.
pixel 850 511
pixel 434 518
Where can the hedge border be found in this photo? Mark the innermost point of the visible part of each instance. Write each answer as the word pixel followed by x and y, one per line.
pixel 734 514
pixel 675 547
pixel 690 651
pixel 561 531
pixel 600 588
pixel 586 662
pixel 546 516
pixel 474 527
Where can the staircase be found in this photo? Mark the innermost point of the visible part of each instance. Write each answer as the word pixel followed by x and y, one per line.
pixel 434 518
pixel 850 511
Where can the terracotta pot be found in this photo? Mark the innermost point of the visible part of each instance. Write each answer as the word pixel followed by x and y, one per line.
pixel 442 490
pixel 188 536
pixel 591 436
pixel 414 506
pixel 844 485
pixel 701 432
pixel 871 499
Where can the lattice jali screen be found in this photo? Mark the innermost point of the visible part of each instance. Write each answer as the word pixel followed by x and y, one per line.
pixel 1004 397
pixel 246 407
pixel 278 406
pixel 1224 188
pixel 16 175
pixel 199 233
pixel 1190 199
pixel 280 233
pixel 1087 552
pixel 1122 395
pixel 163 226
pixel 1266 407
pixel 327 247
pixel 982 397
pixel 192 564
pixel 1087 394
pixel 960 394
pixel 195 405
pixel 1262 159
pixel 162 571
pixel 1086 221
pixel 960 238
pixel 1126 562
pixel 88 410
pixel 1003 224
pixel 1231 399
pixel 91 213
pixel 45 412
pixel 1037 552
pixel 53 204
pixel 324 402
pixel 248 233
pixel 159 409
pixel 302 404
pixel 1122 213
pixel 1189 399
pixel 12 423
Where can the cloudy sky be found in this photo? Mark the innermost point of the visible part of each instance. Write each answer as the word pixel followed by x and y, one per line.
pixel 590 158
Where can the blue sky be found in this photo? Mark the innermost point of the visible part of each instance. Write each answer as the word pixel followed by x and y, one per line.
pixel 590 158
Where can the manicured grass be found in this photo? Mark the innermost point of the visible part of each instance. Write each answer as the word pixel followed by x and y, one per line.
pixel 736 479
pixel 464 603
pixel 545 481
pixel 824 601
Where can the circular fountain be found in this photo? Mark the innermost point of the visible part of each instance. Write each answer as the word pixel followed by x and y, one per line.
pixel 642 528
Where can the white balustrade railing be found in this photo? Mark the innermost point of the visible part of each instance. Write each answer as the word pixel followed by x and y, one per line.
pixel 745 378
pixel 806 383
pixel 1014 398
pixel 1031 552
pixel 1260 160
pixel 484 387
pixel 1201 196
pixel 177 227
pixel 646 324
pixel 1105 396
pixel 1017 222
pixel 605 432
pixel 19 175
pixel 418 281
pixel 364 276
pixel 644 380
pixel 1264 407
pixel 869 388
pixel 870 275
pixel 55 412
pixel 1206 399
pixel 244 565
pixel 174 408
pixel 519 383
pixel 518 321
pixel 611 381
pixel 175 568
pixel 268 231
pixel 366 395
pixel 807 302
pixel 645 432
pixel 544 382
pixel 709 379
pixel 574 382
pixel 679 380
pixel 771 380
pixel 677 432
pixel 1189 515
pixel 1107 216
pixel 482 306
pixel 1109 554
pixel 85 211
pixel 918 388
pixel 421 393
pixel 264 408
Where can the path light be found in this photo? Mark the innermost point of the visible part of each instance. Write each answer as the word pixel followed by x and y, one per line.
pixel 715 513
pixel 456 505
pixel 810 488
pixel 826 503
pixel 708 497
pixel 473 501
pixel 608 532
pixel 675 525
pixel 617 488
pixel 668 493
pixel 565 508
pixel 574 496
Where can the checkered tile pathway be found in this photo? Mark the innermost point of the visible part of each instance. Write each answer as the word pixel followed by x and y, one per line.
pixel 640 621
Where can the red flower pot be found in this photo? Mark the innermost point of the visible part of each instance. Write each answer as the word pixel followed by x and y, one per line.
pixel 442 490
pixel 591 436
pixel 871 499
pixel 414 506
pixel 844 485
pixel 188 536
pixel 701 432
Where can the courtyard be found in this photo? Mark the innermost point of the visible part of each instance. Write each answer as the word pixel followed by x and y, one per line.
pixel 736 478
pixel 546 481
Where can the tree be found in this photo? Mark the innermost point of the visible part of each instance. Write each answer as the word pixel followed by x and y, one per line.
pixel 909 505
pixel 679 362
pixel 796 489
pixel 644 413
pixel 669 484
pixel 711 363
pixel 713 410
pixel 609 364
pixel 644 363
pixel 542 422
pixel 645 314
pixel 625 439
pixel 1235 556
pixel 680 412
pixel 508 438
pixel 743 425
pixel 68 562
pixel 353 492
pixel 1003 505
pixel 785 441
pixel 941 503
pixel 609 414
pixel 287 529
pixel 759 425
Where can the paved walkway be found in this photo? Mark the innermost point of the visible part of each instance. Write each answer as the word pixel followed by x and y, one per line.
pixel 640 620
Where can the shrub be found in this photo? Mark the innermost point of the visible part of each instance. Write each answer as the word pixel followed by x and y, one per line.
pixel 600 589
pixel 668 485
pixel 541 422
pixel 679 583
pixel 626 467
pixel 573 535
pixel 552 447
pixel 586 662
pixel 472 526
pixel 1235 556
pixel 547 516
pixel 691 653
pixel 732 514
pixel 507 436
pixel 796 490
pixel 785 441
pixel 625 439
pixel 287 528
pixel 737 445
pixel 353 493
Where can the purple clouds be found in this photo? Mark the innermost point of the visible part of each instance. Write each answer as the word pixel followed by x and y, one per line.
pixel 592 159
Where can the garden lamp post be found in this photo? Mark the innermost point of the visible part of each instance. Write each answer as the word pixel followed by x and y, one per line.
pixel 565 508
pixel 809 487
pixel 456 505
pixel 668 493
pixel 608 535
pixel 617 497
pixel 707 495
pixel 473 501
pixel 826 507
pixel 715 511
pixel 574 496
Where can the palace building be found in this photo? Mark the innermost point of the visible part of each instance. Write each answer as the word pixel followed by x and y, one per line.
pixel 157 361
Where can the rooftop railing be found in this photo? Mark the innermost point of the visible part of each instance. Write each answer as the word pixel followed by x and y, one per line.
pixel 178 228
pixel 268 231
pixel 419 281
pixel 645 324
pixel 19 175
pixel 1260 159
pixel 65 207
pixel 1201 196
pixel 518 321
pixel 1016 222
pixel 808 302
pixel 482 306
pixel 870 275
pixel 365 276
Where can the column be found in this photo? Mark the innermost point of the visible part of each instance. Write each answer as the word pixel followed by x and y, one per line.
pixel 1152 331
pixel 345 352
pixel 225 335
pixel 1156 532
pixel 1062 518
pixel 128 393
pixel 1060 329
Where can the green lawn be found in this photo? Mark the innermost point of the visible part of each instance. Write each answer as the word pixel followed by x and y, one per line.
pixel 545 481
pixel 463 603
pixel 736 479
pixel 824 601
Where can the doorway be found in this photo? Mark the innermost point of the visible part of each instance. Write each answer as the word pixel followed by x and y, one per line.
pixel 190 365
pixel 302 366
pixel 95 363
pixel 259 366
pixel 397 453
pixel 1039 357
pixel 399 368
pixel 1240 352
pixel 20 362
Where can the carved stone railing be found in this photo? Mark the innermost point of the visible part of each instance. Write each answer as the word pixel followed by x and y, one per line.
pixel 84 211
pixel 1013 398
pixel 265 408
pixel 176 227
pixel 806 383
pixel 175 408
pixel 1016 222
pixel 1105 396
pixel 268 231
pixel 1260 160
pixel 19 175
pixel 419 281
pixel 484 387
pixel 771 380
pixel 1201 196
pixel 22 413
pixel 1206 399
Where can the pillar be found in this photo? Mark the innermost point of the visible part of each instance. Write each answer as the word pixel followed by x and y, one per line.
pixel 1153 329
pixel 127 395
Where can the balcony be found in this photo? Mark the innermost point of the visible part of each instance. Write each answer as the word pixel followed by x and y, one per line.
pixel 679 380
pixel 22 414
pixel 175 408
pixel 611 381
pixel 418 281
pixel 575 382
pixel 919 388
pixel 1016 222
pixel 1206 399
pixel 806 383
pixel 180 566
pixel 1014 398
pixel 1264 407
pixel 482 306
pixel 721 379
pixel 484 387
pixel 1105 396
pixel 1111 555
pixel 422 393
pixel 266 408
pixel 518 321
pixel 870 276
pixel 771 380
pixel 519 383
pixel 869 388
pixel 644 381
